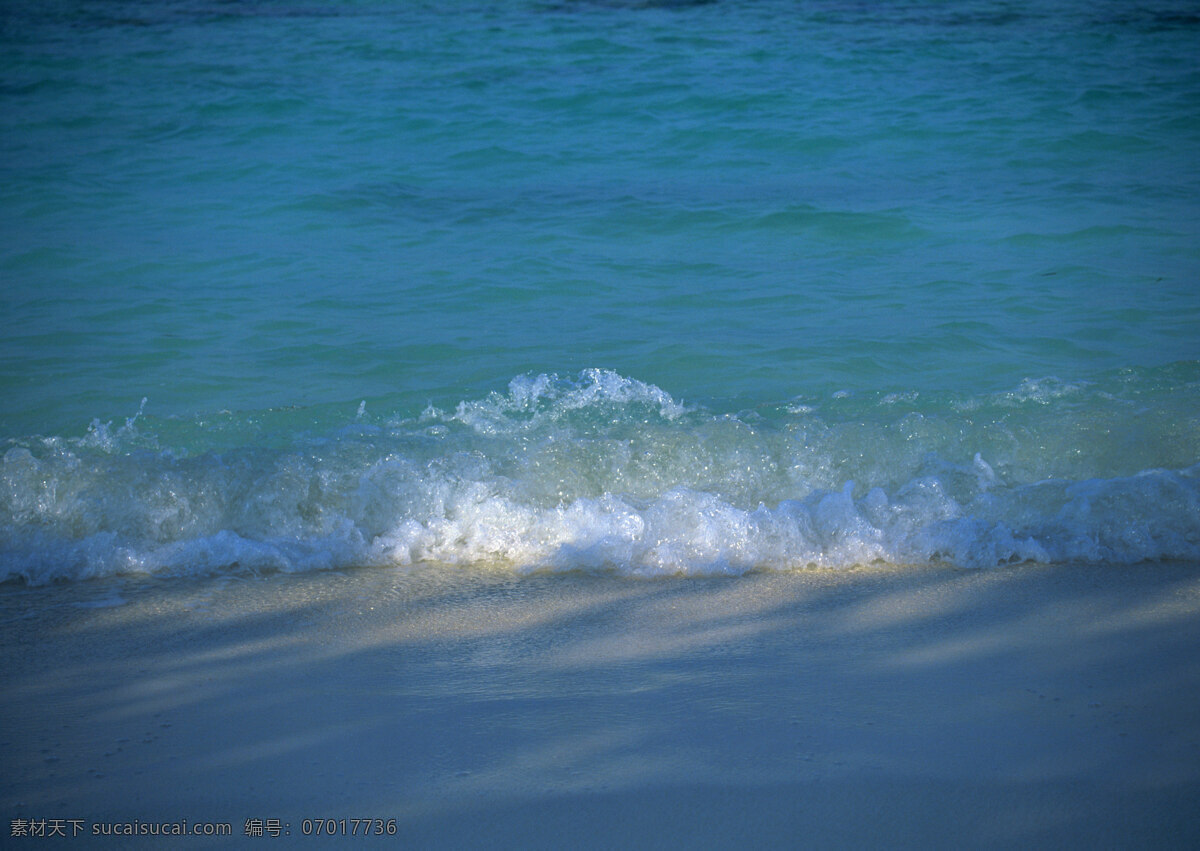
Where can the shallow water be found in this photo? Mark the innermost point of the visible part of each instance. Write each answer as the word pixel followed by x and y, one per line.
pixel 655 287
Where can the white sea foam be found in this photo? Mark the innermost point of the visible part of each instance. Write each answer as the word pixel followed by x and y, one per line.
pixel 607 473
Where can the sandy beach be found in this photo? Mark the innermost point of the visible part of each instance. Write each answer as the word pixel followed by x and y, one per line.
pixel 1043 706
pixel 600 424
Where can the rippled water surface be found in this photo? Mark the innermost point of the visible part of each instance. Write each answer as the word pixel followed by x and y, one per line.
pixel 659 287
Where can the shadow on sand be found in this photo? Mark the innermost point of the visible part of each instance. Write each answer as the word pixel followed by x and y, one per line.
pixel 898 707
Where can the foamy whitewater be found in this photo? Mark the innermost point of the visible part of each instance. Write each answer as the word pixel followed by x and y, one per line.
pixel 606 472
pixel 652 288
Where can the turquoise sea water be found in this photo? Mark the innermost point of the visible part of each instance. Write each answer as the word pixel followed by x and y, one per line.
pixel 653 287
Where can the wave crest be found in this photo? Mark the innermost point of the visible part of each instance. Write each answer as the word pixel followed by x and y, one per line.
pixel 603 472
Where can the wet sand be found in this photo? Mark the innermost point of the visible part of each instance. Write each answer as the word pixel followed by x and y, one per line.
pixel 900 707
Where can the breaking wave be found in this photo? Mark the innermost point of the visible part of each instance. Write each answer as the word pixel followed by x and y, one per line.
pixel 604 472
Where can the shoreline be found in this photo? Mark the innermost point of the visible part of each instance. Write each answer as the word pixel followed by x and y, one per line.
pixel 877 706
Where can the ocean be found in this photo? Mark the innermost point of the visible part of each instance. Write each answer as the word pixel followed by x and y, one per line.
pixel 652 288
